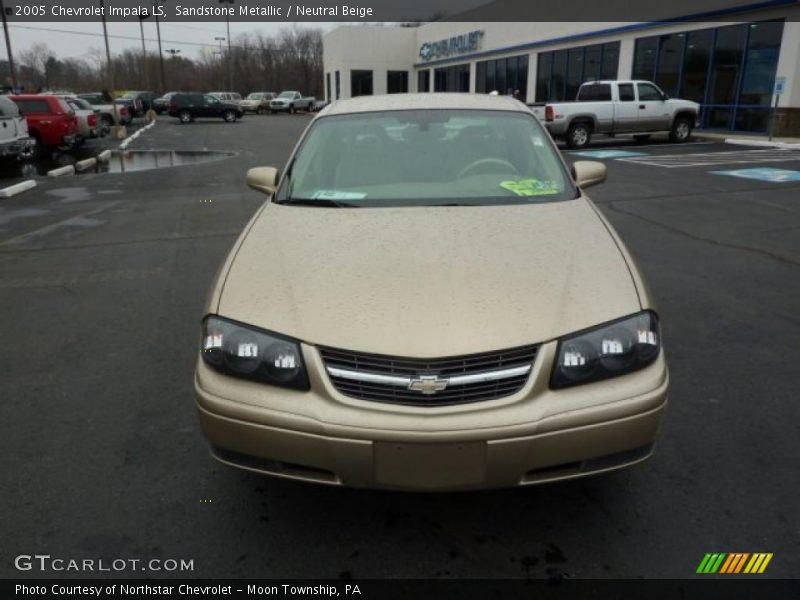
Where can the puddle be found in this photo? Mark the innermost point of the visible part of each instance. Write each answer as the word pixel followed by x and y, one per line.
pixel 142 160
pixel 122 161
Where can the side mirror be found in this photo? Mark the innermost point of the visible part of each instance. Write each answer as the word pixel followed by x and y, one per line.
pixel 263 179
pixel 588 172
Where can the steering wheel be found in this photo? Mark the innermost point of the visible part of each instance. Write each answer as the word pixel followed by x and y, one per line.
pixel 488 161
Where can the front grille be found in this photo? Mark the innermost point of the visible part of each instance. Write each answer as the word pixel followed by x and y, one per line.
pixel 443 368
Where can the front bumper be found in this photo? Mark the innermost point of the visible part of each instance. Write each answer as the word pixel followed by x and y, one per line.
pixel 534 436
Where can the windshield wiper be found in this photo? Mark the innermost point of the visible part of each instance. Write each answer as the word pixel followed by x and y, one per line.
pixel 316 202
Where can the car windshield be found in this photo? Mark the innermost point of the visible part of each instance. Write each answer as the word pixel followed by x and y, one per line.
pixel 254 96
pixel 426 157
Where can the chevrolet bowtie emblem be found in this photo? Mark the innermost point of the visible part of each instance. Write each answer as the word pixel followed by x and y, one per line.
pixel 427 384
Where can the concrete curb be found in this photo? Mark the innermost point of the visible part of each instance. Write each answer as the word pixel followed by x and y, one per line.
pixel 763 144
pixel 104 156
pixel 68 170
pixel 17 188
pixel 82 165
pixel 128 140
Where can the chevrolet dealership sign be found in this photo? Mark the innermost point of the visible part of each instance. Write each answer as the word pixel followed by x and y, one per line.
pixel 458 44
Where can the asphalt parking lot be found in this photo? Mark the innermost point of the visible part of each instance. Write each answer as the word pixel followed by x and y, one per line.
pixel 102 284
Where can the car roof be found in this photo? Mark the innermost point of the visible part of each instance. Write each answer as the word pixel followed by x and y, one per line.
pixel 436 101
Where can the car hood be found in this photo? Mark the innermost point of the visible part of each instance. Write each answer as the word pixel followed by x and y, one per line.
pixel 428 281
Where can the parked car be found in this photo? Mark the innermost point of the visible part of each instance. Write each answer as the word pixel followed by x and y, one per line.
pixel 257 102
pixel 637 108
pixel 188 107
pixel 88 125
pixel 138 103
pixel 291 101
pixel 110 112
pixel 479 325
pixel 161 104
pixel 15 142
pixel 230 97
pixel 51 122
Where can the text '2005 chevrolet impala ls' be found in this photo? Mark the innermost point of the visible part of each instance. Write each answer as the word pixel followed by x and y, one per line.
pixel 429 301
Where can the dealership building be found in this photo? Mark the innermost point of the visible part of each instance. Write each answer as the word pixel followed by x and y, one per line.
pixel 732 62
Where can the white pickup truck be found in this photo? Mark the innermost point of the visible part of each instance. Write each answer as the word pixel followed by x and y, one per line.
pixel 637 108
pixel 291 101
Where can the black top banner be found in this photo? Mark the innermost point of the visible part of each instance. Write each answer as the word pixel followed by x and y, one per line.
pixel 409 11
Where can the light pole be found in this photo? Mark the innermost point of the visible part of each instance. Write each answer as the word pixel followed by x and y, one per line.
pixel 144 53
pixel 160 55
pixel 11 69
pixel 221 54
pixel 230 56
pixel 173 52
pixel 109 64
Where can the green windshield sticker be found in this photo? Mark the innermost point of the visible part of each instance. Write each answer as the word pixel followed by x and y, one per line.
pixel 531 187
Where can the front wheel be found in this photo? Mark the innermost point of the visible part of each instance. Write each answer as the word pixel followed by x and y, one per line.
pixel 229 116
pixel 259 110
pixel 579 135
pixel 185 117
pixel 291 109
pixel 681 130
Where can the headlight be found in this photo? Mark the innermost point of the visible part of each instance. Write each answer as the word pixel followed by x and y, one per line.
pixel 609 350
pixel 244 351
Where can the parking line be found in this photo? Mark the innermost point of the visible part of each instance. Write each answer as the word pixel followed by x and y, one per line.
pixel 679 161
pixel 637 146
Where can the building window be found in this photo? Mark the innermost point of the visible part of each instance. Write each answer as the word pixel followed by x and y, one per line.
pixel 644 58
pixel 338 85
pixel 424 80
pixel 360 83
pixel 763 48
pixel 560 73
pixel 543 74
pixel 670 60
pixel 328 87
pixel 503 75
pixel 397 82
pixel 451 79
pixel 696 59
pixel 729 70
pixel 610 61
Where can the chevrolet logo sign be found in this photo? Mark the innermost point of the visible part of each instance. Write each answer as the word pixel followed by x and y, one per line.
pixel 427 384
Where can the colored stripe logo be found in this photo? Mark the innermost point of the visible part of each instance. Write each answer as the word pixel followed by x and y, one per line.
pixel 734 563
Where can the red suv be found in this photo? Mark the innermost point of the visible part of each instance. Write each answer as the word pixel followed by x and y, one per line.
pixel 51 122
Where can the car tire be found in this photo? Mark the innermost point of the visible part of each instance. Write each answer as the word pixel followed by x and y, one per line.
pixel 229 116
pixel 185 116
pixel 291 109
pixel 579 135
pixel 681 130
pixel 641 139
pixel 259 110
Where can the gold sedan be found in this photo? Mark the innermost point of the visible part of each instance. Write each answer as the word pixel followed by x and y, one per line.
pixel 429 301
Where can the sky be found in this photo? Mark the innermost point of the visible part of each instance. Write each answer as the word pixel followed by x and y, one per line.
pixel 190 38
